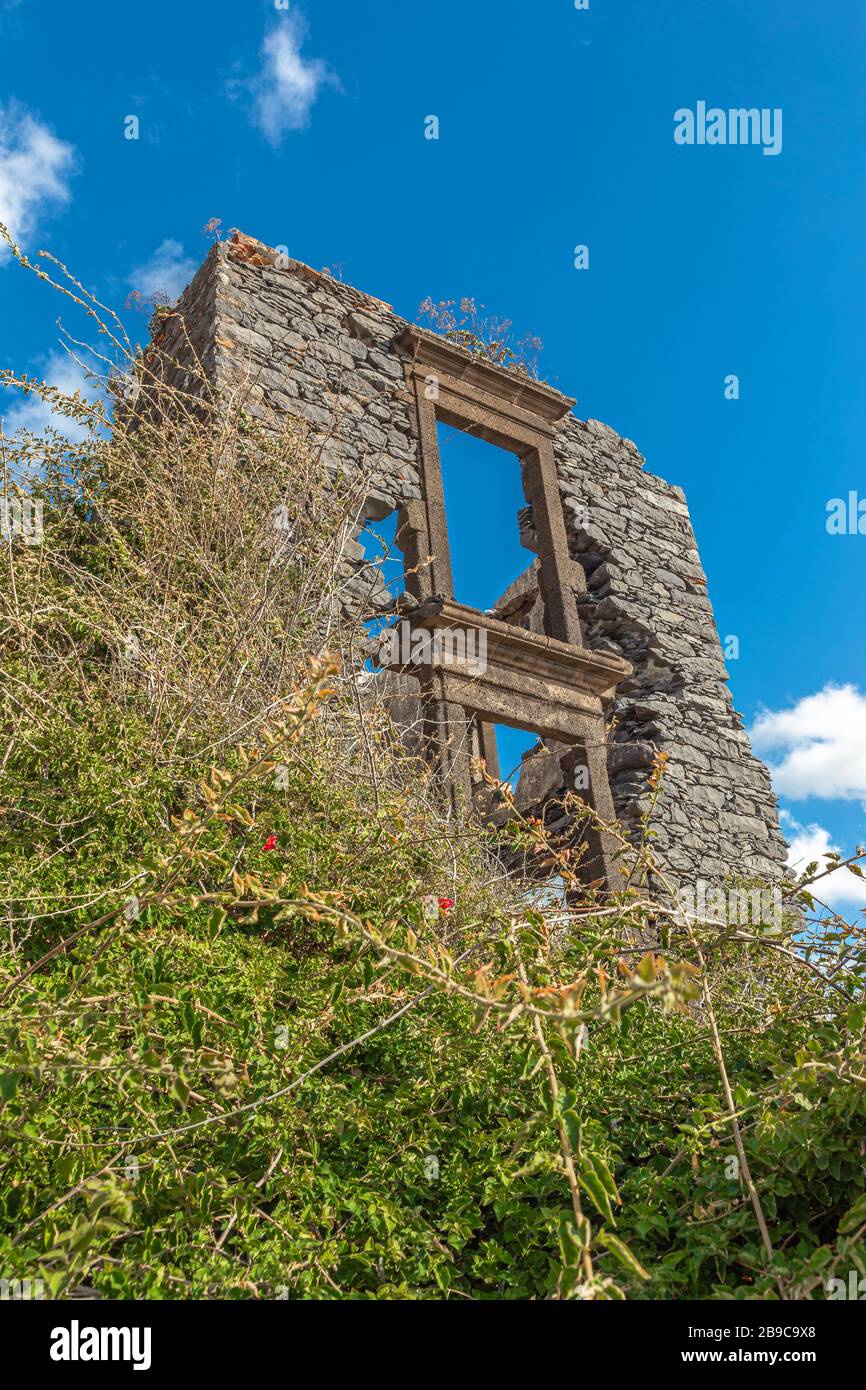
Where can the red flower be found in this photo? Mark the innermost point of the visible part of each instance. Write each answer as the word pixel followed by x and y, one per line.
pixel 445 904
pixel 270 842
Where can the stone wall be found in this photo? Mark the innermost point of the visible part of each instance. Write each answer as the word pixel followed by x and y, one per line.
pixel 306 345
pixel 311 347
pixel 647 599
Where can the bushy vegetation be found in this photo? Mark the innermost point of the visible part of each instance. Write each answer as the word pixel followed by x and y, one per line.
pixel 272 1024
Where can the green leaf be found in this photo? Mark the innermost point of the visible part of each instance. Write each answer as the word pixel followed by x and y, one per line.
pixel 855 1216
pixel 619 1249
pixel 180 1090
pixel 216 922
pixel 569 1243
pixel 8 1084
pixel 571 1121
pixel 595 1188
pixel 603 1173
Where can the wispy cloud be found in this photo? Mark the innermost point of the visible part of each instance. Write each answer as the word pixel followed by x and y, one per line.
pixel 6 9
pixel 809 844
pixel 822 743
pixel 34 170
pixel 287 84
pixel 33 414
pixel 166 274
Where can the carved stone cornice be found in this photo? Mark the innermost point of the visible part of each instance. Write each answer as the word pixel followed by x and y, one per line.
pixel 429 353
pixel 513 676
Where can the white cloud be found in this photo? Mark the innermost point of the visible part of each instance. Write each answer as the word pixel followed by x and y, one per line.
pixel 167 273
pixel 822 742
pixel 34 168
pixel 7 7
pixel 288 84
pixel 32 413
pixel 841 889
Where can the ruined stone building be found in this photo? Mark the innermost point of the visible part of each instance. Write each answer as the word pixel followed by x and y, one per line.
pixel 610 623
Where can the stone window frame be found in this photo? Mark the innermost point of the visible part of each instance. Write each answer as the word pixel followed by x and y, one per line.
pixel 450 384
pixel 516 414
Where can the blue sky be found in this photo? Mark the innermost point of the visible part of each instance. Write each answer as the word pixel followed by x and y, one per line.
pixel 305 127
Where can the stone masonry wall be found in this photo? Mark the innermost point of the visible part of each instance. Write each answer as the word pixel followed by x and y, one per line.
pixel 311 347
pixel 306 345
pixel 647 596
